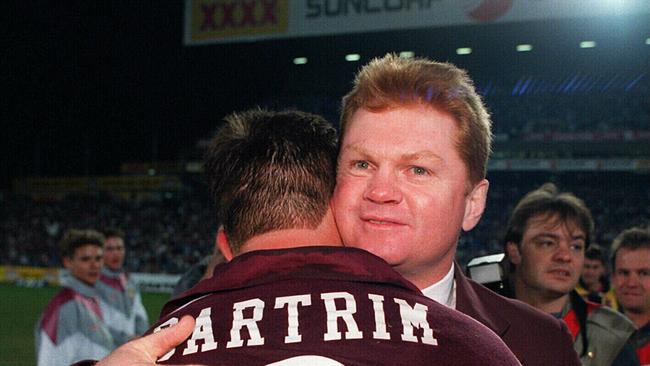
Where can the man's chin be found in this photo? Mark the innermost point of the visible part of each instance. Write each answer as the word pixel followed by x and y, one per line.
pixel 386 250
pixel 558 291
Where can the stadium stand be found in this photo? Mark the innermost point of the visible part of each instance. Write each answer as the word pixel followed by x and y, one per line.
pixel 170 234
pixel 162 235
pixel 543 117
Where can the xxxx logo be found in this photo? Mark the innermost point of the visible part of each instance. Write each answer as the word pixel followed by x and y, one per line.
pixel 237 15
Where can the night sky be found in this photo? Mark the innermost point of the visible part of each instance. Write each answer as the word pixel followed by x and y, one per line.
pixel 89 85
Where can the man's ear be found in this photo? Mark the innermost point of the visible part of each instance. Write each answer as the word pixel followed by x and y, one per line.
pixel 475 205
pixel 222 243
pixel 512 250
pixel 67 262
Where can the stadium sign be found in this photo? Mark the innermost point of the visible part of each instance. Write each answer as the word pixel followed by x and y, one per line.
pixel 26 276
pixel 226 21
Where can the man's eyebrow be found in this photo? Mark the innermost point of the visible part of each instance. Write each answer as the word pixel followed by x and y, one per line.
pixel 418 155
pixel 556 237
pixel 423 155
pixel 544 235
pixel 355 148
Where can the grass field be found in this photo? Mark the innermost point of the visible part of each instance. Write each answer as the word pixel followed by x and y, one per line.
pixel 20 308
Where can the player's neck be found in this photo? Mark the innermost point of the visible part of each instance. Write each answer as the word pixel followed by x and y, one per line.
pixel 290 238
pixel 324 234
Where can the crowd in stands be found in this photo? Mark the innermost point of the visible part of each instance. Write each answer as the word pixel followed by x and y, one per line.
pixel 601 112
pixel 529 105
pixel 170 234
pixel 165 235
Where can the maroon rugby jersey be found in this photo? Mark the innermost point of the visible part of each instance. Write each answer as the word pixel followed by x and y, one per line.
pixel 332 304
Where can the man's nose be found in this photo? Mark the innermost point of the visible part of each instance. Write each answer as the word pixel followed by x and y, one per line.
pixel 632 280
pixel 383 188
pixel 96 263
pixel 563 253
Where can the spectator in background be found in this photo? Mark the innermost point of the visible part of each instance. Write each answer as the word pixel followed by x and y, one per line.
pixel 200 271
pixel 545 241
pixel 594 284
pixel 72 327
pixel 121 302
pixel 631 280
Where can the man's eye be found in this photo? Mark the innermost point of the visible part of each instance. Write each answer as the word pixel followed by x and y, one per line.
pixel 419 170
pixel 577 247
pixel 546 243
pixel 361 164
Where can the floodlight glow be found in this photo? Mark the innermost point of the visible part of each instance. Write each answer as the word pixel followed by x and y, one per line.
pixel 613 3
pixel 463 51
pixel 647 41
pixel 352 57
pixel 407 54
pixel 587 44
pixel 300 60
pixel 524 48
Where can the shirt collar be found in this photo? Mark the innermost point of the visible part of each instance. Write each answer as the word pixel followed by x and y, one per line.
pixel 443 291
pixel 260 267
pixel 68 280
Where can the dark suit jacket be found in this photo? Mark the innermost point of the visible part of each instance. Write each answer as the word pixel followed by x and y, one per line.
pixel 536 338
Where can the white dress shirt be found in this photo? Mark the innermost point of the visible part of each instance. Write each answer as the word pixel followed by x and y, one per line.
pixel 443 291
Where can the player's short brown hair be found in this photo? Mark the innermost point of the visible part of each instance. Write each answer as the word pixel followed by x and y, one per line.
pixel 633 238
pixel 270 171
pixel 549 202
pixel 392 82
pixel 76 238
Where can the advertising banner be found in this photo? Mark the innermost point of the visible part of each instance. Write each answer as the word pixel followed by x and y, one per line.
pixel 223 21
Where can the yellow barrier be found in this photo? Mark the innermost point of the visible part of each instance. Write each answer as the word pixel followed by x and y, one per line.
pixel 29 274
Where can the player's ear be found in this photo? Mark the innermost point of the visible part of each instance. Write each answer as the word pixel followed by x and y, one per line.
pixel 223 245
pixel 512 250
pixel 475 204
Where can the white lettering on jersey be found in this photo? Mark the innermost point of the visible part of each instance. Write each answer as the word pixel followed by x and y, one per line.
pixel 238 322
pixel 416 315
pixel 306 360
pixel 292 302
pixel 203 331
pixel 380 317
pixel 167 324
pixel 346 314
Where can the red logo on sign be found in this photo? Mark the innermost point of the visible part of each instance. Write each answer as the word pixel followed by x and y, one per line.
pixel 238 14
pixel 488 10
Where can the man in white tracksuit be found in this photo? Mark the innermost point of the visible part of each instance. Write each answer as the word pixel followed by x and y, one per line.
pixel 72 326
pixel 120 297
